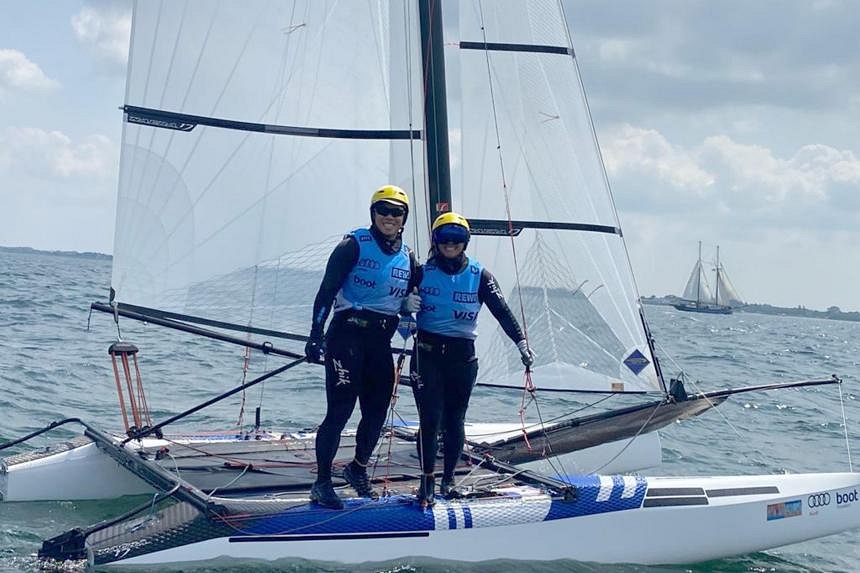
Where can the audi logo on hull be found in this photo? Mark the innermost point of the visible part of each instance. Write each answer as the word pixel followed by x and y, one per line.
pixel 818 500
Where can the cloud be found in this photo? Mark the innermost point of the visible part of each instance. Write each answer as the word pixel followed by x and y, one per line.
pixel 650 174
pixel 105 29
pixel 17 71
pixel 646 151
pixel 53 155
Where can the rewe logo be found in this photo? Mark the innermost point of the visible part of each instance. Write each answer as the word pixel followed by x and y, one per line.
pixel 397 291
pixel 846 497
pixel 467 297
pixel 398 273
pixel 463 315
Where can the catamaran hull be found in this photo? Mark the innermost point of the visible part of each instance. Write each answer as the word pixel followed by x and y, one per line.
pixel 613 520
pixel 68 472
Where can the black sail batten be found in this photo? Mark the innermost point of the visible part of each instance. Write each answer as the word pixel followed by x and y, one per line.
pixel 185 122
pixel 526 48
pixel 514 228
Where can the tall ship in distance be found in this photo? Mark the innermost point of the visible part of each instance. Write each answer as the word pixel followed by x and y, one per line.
pixel 698 296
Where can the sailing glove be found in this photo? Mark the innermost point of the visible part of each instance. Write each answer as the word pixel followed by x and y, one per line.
pixel 314 349
pixel 412 302
pixel 526 353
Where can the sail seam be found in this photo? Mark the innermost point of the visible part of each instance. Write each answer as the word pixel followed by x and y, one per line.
pixel 186 122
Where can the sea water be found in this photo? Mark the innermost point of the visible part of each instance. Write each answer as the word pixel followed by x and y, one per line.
pixel 54 364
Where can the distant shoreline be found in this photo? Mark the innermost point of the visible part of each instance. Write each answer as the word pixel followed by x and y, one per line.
pixel 832 313
pixel 73 254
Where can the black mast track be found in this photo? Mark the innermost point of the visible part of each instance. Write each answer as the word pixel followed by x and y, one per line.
pixel 186 122
pixel 435 108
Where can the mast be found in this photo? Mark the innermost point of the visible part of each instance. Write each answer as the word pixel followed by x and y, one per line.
pixel 435 108
pixel 717 287
pixel 699 281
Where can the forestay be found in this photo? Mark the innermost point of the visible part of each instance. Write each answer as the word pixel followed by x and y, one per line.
pixel 512 69
pixel 255 133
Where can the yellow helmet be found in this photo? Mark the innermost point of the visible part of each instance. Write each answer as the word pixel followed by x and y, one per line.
pixel 450 219
pixel 390 193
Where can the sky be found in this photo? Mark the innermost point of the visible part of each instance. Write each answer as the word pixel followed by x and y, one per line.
pixel 734 123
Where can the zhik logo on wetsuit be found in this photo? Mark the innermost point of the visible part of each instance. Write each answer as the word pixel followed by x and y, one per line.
pixel 342 373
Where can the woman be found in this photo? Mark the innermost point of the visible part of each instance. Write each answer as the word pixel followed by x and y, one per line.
pixel 367 279
pixel 453 288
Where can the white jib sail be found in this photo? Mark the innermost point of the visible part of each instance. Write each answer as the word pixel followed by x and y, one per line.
pixel 512 68
pixel 728 296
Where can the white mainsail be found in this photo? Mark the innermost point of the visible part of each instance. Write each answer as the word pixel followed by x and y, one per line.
pixel 697 288
pixel 236 224
pixel 230 200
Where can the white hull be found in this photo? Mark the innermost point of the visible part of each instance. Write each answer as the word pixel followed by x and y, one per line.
pixel 729 524
pixel 71 474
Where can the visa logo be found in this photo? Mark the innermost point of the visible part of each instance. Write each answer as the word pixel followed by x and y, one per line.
pixel 464 315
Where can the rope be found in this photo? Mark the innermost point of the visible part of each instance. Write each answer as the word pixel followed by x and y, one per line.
pixel 528 386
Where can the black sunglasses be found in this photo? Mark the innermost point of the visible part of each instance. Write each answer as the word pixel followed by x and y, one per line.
pixel 386 210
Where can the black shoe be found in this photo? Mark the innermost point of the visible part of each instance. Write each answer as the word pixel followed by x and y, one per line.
pixel 447 489
pixel 322 493
pixel 356 476
pixel 425 491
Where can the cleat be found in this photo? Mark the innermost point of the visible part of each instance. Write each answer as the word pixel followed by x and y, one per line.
pixel 322 493
pixel 356 476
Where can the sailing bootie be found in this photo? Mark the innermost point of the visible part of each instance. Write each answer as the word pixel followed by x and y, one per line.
pixel 356 476
pixel 425 491
pixel 447 489
pixel 322 493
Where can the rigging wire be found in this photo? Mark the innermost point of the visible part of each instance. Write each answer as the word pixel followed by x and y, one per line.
pixel 528 386
pixel 845 427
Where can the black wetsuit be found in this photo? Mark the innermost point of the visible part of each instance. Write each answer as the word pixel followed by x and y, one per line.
pixel 444 370
pixel 358 360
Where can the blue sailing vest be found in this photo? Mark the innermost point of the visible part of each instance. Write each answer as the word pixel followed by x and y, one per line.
pixel 449 303
pixel 378 281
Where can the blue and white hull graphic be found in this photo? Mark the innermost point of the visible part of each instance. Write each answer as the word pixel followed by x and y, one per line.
pixel 612 519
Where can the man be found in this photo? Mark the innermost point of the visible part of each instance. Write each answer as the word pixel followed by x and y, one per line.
pixel 368 279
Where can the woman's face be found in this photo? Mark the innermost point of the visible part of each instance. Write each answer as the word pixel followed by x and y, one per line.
pixel 451 250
